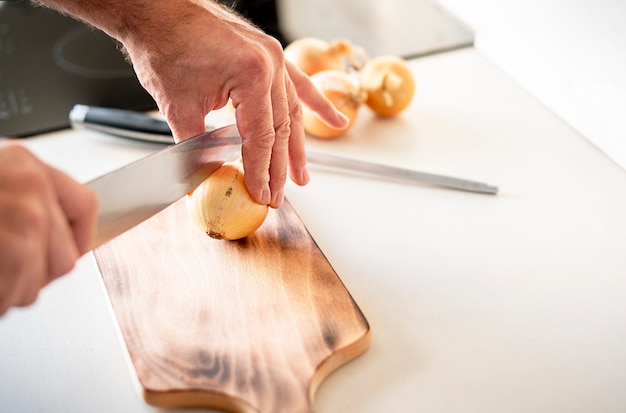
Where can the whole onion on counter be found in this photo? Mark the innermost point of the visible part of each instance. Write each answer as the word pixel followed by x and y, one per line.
pixel 312 55
pixel 389 85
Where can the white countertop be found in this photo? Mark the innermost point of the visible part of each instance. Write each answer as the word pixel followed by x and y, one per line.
pixel 569 54
pixel 477 303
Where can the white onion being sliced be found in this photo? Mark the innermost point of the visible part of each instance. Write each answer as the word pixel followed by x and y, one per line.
pixel 222 207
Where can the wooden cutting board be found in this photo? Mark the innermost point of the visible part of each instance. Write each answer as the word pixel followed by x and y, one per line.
pixel 243 326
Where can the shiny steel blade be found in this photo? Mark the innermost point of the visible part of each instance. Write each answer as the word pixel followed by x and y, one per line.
pixel 135 192
pixel 401 173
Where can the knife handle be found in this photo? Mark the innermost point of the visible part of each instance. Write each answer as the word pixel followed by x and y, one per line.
pixel 123 123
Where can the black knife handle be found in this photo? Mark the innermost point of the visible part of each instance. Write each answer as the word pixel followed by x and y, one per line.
pixel 122 123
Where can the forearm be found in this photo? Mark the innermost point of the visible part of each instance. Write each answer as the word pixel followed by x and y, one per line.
pixel 129 20
pixel 111 16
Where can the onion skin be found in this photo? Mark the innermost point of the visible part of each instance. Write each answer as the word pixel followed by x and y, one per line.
pixel 344 92
pixel 389 84
pixel 312 55
pixel 222 207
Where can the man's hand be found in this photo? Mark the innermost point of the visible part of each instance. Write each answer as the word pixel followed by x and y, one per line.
pixel 204 55
pixel 47 221
pixel 193 56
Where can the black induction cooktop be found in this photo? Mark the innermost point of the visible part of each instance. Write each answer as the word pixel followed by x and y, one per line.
pixel 50 62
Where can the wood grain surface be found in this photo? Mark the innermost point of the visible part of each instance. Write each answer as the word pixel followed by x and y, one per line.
pixel 243 326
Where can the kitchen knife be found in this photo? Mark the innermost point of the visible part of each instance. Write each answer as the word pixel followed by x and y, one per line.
pixel 135 125
pixel 135 192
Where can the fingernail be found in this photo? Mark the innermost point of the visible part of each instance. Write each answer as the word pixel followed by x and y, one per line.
pixel 305 178
pixel 344 119
pixel 266 196
pixel 278 200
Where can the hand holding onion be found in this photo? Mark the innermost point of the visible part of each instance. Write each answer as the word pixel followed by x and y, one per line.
pixel 222 207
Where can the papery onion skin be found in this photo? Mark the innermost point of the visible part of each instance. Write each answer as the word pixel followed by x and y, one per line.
pixel 389 84
pixel 312 55
pixel 344 92
pixel 222 207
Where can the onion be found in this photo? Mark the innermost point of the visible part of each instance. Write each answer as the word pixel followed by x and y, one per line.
pixel 389 84
pixel 344 92
pixel 222 207
pixel 312 55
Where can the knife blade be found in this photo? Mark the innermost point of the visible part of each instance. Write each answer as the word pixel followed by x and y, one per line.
pixel 139 126
pixel 135 192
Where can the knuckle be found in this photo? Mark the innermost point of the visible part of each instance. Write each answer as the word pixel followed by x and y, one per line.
pixel 295 111
pixel 25 176
pixel 89 201
pixel 25 217
pixel 283 127
pixel 263 141
pixel 32 215
pixel 259 67
pixel 275 48
pixel 263 62
pixel 29 297
pixel 63 267
pixel 280 178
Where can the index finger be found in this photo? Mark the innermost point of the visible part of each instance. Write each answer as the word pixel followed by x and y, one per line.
pixel 310 96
